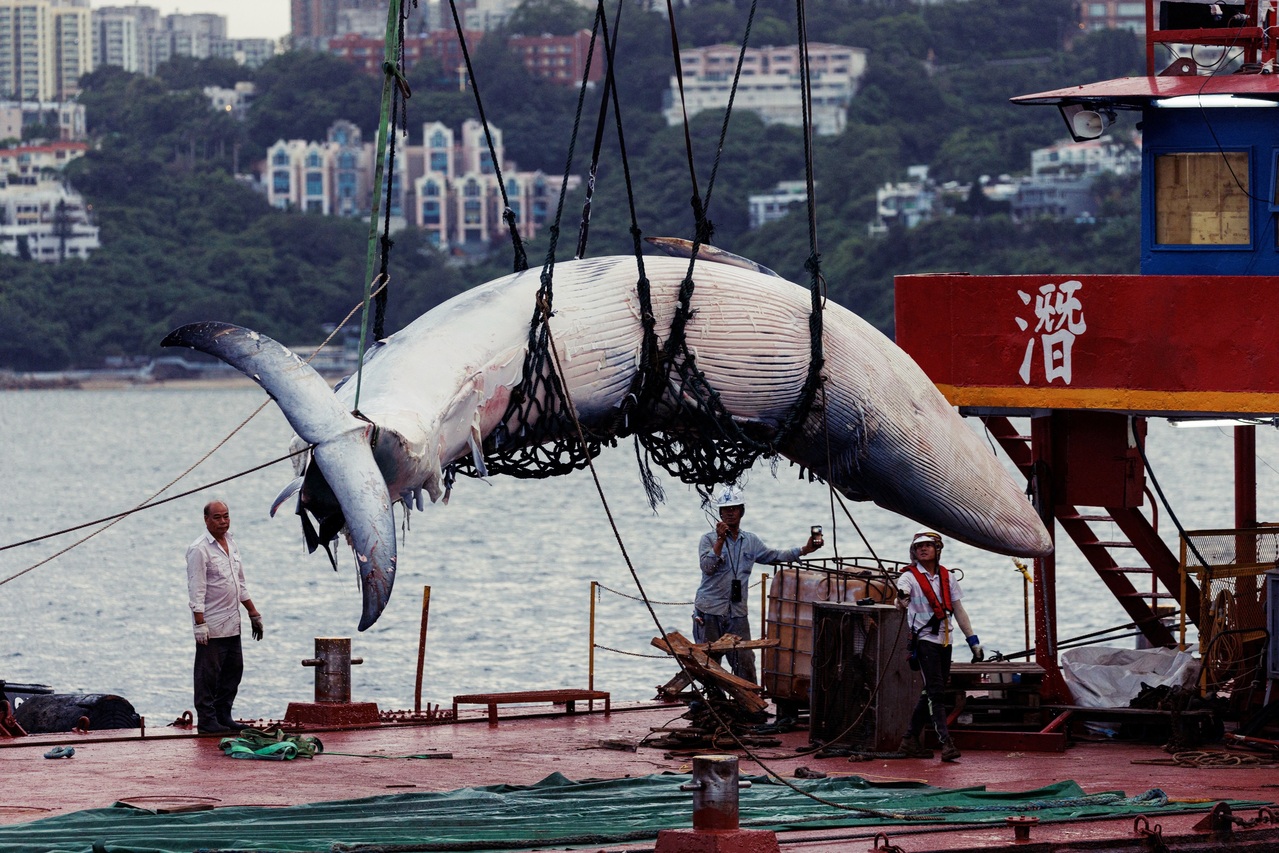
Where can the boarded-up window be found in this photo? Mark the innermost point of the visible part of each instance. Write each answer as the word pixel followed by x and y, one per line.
pixel 1201 199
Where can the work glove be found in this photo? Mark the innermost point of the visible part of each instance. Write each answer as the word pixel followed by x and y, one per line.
pixel 979 654
pixel 202 633
pixel 256 623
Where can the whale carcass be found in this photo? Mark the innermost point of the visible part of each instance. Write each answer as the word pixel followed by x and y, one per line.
pixel 433 392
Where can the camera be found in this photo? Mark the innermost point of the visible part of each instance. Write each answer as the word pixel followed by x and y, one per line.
pixel 736 594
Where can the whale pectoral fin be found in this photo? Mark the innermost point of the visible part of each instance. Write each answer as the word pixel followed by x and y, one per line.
pixel 678 247
pixel 348 466
pixel 287 492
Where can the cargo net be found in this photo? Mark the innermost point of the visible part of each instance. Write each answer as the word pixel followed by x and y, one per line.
pixel 1232 629
pixel 677 419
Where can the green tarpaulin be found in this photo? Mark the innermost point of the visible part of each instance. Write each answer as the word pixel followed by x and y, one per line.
pixel 554 811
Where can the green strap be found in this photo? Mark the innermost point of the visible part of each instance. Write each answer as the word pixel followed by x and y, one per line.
pixel 390 80
pixel 270 745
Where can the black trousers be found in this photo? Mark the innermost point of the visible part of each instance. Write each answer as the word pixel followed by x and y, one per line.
pixel 934 666
pixel 218 668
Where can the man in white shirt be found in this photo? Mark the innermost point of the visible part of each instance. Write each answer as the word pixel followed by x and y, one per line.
pixel 930 595
pixel 215 584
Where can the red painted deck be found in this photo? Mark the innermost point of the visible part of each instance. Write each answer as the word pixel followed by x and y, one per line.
pixel 171 768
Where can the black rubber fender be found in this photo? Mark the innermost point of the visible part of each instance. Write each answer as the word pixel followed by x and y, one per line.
pixel 62 712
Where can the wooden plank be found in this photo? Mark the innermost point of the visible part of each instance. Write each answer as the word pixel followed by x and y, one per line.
pixel 702 667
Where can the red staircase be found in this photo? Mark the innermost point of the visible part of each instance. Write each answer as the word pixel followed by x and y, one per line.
pixel 1145 557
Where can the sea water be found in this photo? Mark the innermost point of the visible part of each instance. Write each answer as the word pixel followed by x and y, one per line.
pixel 510 563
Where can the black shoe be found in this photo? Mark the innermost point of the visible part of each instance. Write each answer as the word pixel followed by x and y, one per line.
pixel 912 747
pixel 229 723
pixel 949 752
pixel 213 728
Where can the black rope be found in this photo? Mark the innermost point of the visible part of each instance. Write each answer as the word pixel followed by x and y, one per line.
pixel 508 215
pixel 609 85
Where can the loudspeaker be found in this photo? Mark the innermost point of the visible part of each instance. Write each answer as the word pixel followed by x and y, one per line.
pixel 863 690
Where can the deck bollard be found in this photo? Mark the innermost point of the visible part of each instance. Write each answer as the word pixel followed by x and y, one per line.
pixel 332 707
pixel 715 786
pixel 332 664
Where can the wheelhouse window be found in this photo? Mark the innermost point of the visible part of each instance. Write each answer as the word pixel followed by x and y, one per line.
pixel 1201 199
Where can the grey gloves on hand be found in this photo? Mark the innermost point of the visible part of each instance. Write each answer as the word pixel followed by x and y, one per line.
pixel 256 622
pixel 202 633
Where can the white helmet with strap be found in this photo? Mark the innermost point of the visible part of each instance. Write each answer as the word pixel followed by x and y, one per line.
pixel 728 496
pixel 926 537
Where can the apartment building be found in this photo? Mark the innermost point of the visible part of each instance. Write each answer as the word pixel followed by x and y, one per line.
pixel 559 59
pixel 28 162
pixel 45 47
pixel 447 186
pixel 769 84
pixel 122 37
pixel 67 116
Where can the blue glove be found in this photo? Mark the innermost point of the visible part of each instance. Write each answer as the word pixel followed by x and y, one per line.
pixel 979 654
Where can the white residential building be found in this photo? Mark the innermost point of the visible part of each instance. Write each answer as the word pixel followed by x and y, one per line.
pixel 45 221
pixel 458 200
pixel 1090 157
pixel 234 101
pixel 769 83
pixel 777 204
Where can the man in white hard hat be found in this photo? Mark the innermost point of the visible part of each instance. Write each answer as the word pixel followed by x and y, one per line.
pixel 930 595
pixel 727 555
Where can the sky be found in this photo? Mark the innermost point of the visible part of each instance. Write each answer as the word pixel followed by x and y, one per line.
pixel 245 18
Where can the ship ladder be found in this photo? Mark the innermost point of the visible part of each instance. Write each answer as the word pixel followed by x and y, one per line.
pixel 1145 554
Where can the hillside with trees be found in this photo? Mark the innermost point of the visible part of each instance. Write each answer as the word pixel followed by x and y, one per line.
pixel 184 240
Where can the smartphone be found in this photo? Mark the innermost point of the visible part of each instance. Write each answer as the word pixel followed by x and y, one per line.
pixel 816 532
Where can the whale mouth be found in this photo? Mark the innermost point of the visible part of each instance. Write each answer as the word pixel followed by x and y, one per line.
pixel 320 512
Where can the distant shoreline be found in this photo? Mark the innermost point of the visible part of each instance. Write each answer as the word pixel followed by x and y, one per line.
pixel 11 383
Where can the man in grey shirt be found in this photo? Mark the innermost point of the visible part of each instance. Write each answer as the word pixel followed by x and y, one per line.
pixel 727 555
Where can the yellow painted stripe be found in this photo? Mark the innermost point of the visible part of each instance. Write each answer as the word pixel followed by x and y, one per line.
pixel 1110 398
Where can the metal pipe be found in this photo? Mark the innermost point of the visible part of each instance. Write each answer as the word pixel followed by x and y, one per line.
pixel 421 649
pixel 590 661
pixel 763 606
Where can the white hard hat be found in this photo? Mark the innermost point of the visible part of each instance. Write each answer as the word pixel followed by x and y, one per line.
pixel 926 537
pixel 728 496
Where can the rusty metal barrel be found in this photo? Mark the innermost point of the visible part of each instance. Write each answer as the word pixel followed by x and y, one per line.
pixel 715 789
pixel 332 664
